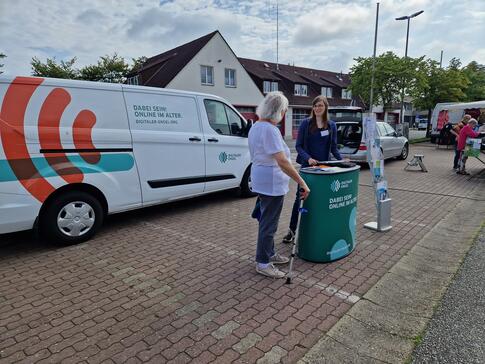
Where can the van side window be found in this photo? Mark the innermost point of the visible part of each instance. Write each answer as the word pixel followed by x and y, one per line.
pixel 223 119
pixel 235 122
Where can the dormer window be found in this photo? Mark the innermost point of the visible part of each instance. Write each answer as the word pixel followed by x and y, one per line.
pixel 269 86
pixel 327 92
pixel 346 94
pixel 301 90
pixel 135 80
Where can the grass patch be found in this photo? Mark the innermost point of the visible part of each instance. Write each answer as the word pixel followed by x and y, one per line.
pixel 417 340
pixel 419 140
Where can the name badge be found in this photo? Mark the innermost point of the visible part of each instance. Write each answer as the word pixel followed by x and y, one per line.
pixel 324 133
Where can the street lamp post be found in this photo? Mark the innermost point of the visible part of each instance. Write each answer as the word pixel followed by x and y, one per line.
pixel 373 62
pixel 408 18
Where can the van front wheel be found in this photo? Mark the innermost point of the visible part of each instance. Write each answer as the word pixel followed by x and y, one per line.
pixel 71 218
pixel 245 186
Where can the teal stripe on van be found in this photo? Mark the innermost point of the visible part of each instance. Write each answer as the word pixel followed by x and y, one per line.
pixel 108 163
pixel 6 173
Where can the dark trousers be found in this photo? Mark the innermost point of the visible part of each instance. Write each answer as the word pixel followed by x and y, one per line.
pixel 271 207
pixel 294 211
pixel 456 160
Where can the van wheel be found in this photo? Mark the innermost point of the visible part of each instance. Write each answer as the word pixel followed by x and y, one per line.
pixel 404 152
pixel 71 218
pixel 245 186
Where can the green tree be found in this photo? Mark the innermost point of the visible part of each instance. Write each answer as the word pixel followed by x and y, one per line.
pixel 63 69
pixel 137 63
pixel 1 64
pixel 475 73
pixel 392 73
pixel 108 69
pixel 441 85
pixel 112 69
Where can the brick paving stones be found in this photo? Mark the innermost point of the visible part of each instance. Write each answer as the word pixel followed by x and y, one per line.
pixel 176 283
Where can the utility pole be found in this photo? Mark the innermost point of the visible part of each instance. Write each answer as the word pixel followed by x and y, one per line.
pixel 408 18
pixel 374 62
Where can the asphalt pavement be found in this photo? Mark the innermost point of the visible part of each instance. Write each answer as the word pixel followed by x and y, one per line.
pixel 456 333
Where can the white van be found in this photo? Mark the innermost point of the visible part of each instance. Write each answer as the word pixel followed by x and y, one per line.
pixel 72 152
pixel 454 113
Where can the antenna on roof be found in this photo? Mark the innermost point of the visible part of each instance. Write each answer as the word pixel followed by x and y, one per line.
pixel 277 29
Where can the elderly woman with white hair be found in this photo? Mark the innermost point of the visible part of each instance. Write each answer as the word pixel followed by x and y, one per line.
pixel 271 171
pixel 465 133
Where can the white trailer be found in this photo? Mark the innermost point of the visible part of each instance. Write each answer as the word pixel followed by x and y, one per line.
pixel 456 110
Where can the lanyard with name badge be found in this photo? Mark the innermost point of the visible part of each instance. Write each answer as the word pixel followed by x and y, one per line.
pixel 323 133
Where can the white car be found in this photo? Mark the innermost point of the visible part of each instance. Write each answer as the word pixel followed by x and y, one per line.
pixel 350 131
pixel 352 146
pixel 422 124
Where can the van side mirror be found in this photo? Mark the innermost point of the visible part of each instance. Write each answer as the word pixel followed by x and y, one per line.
pixel 245 131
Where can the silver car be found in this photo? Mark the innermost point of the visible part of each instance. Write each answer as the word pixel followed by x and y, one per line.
pixel 352 146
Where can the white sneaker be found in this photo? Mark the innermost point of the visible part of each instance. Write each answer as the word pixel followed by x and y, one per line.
pixel 279 259
pixel 270 271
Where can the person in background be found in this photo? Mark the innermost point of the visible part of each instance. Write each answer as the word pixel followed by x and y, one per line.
pixel 456 132
pixel 271 171
pixel 446 135
pixel 317 138
pixel 466 132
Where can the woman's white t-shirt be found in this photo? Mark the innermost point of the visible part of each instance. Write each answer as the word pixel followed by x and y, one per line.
pixel 264 141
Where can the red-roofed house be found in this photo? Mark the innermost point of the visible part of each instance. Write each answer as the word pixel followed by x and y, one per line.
pixel 209 65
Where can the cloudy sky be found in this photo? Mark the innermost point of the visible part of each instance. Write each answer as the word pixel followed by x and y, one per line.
pixel 323 34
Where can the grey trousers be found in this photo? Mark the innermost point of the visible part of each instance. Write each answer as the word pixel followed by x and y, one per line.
pixel 271 207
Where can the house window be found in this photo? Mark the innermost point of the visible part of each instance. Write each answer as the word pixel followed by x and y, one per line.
pixel 207 75
pixel 346 94
pixel 269 86
pixel 133 80
pixel 301 90
pixel 230 77
pixel 327 92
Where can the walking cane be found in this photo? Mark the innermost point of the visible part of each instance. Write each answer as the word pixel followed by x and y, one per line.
pixel 301 210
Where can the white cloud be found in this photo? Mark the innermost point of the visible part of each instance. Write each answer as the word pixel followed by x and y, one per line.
pixel 328 22
pixel 314 33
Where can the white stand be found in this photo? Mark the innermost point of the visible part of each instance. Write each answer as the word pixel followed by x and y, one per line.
pixel 417 161
pixel 383 222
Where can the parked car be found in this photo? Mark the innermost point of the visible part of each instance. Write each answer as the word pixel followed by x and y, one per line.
pixel 423 124
pixel 353 147
pixel 350 135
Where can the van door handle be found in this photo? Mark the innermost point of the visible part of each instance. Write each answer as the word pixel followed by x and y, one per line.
pixel 213 140
pixel 195 139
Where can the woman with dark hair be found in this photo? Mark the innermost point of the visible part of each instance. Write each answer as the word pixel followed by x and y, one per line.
pixel 317 138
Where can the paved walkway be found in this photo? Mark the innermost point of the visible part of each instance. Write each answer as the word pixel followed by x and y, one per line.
pixel 456 333
pixel 176 283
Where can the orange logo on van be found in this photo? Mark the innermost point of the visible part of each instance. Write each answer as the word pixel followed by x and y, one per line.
pixel 12 132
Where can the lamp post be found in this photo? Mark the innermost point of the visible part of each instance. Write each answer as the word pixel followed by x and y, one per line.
pixel 408 18
pixel 373 62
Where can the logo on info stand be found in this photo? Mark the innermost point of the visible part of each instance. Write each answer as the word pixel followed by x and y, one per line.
pixel 335 185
